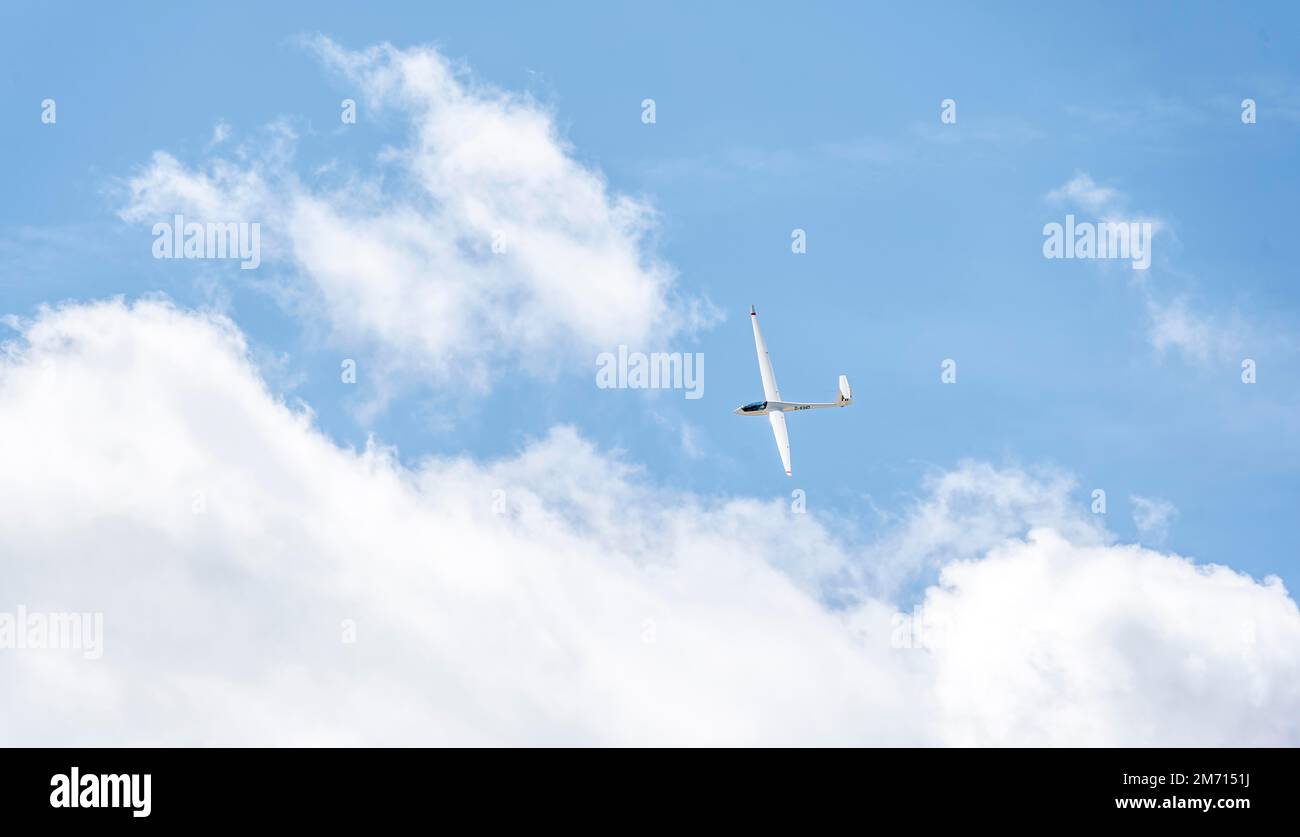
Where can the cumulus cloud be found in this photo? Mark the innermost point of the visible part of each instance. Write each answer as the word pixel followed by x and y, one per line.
pixel 963 513
pixel 556 596
pixel 483 240
pixel 1048 642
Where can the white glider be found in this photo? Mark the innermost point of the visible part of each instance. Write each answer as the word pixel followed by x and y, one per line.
pixel 772 406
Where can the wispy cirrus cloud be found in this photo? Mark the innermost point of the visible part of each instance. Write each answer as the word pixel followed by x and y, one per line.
pixel 1152 516
pixel 1106 203
pixel 1176 324
pixel 1201 337
pixel 1081 190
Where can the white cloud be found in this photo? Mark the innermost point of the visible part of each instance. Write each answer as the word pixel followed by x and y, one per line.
pixel 1152 517
pixel 220 133
pixel 597 608
pixel 1176 326
pixel 482 241
pixel 1081 190
pixel 965 512
pixel 1050 643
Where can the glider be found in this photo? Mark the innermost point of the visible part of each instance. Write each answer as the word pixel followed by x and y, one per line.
pixel 772 406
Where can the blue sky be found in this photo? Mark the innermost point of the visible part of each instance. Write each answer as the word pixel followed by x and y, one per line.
pixel 924 239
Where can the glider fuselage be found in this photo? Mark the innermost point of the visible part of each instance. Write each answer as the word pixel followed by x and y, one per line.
pixel 773 407
pixel 762 408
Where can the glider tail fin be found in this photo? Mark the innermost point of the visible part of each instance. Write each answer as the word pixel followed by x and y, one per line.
pixel 846 393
